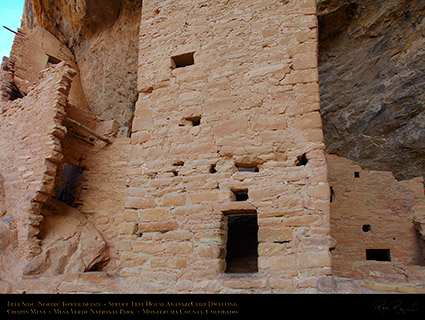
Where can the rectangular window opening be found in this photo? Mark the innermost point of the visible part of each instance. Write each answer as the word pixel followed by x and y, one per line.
pixel 242 243
pixel 183 60
pixel 69 189
pixel 378 254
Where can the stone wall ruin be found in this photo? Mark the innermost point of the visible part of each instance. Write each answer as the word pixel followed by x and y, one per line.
pixel 205 174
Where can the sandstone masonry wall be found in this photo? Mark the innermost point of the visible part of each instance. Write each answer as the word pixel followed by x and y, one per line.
pixel 250 99
pixel 104 192
pixel 226 151
pixel 372 210
pixel 29 158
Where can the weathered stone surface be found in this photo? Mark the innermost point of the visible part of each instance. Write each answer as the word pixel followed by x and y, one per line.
pixel 372 210
pixel 371 79
pixel 70 244
pixel 96 32
pixel 232 140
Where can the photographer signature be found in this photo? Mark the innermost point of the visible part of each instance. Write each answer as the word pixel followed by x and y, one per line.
pixel 396 307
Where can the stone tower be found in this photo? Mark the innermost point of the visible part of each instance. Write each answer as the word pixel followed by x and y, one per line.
pixel 227 176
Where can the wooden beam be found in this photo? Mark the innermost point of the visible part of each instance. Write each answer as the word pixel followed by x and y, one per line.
pixel 92 132
pixel 10 30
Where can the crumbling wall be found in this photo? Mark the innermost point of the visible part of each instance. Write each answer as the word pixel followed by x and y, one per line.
pixel 41 235
pixel 36 49
pixel 31 130
pixel 103 37
pixel 372 210
pixel 247 100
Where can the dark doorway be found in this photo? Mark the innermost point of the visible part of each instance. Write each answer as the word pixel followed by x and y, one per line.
pixel 70 184
pixel 242 243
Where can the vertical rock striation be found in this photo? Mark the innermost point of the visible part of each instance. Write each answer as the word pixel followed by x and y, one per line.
pixel 103 36
pixel 372 83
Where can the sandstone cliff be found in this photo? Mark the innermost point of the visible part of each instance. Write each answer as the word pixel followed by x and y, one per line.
pixel 103 36
pixel 372 69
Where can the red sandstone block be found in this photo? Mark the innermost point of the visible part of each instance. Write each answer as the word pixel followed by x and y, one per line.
pixel 148 247
pixel 128 228
pixel 308 121
pixel 159 226
pixel 129 259
pixel 287 285
pixel 271 249
pixel 184 247
pixel 130 216
pixel 210 252
pixel 139 203
pixel 267 234
pixel 307 47
pixel 140 137
pixel 286 263
pixel 304 61
pixel 154 214
pixel 169 262
pixel 123 245
pixel 207 196
pixel 174 199
pixel 320 191
pixel 314 259
pixel 142 123
pixel 178 235
pixel 234 126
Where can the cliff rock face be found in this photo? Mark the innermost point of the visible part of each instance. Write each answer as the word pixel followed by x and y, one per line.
pixel 372 70
pixel 103 36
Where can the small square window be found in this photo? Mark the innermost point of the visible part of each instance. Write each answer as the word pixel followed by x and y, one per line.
pixel 183 60
pixel 241 195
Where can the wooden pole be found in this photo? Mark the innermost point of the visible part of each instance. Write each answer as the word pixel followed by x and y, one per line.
pixel 10 30
pixel 94 133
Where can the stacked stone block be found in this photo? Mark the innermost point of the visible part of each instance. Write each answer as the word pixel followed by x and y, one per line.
pixel 249 98
pixel 31 130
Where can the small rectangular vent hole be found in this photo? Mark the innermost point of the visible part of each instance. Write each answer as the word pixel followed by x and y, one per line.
pixel 241 195
pixel 247 168
pixel 183 60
